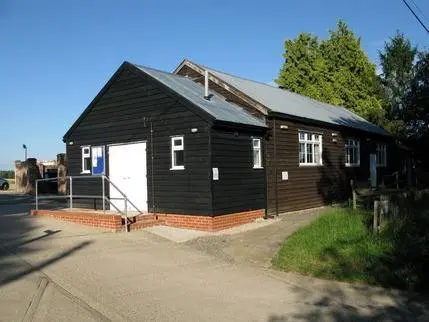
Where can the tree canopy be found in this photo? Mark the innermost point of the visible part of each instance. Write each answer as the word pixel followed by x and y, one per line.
pixel 335 70
pixel 397 63
pixel 405 82
pixel 416 114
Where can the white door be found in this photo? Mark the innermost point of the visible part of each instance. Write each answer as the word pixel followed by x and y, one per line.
pixel 127 170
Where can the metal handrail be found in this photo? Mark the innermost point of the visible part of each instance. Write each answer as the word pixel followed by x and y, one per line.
pixel 123 194
pixel 102 197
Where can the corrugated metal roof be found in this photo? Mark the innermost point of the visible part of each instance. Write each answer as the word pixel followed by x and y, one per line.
pixel 286 102
pixel 217 106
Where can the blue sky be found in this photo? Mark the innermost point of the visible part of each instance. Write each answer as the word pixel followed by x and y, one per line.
pixel 56 55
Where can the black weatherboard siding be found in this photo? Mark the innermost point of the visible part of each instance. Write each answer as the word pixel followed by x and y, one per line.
pixel 240 187
pixel 123 113
pixel 315 186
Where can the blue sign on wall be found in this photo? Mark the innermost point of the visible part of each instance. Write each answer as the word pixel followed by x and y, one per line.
pixel 98 160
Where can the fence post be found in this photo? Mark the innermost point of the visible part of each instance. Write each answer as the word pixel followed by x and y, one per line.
pixel 126 214
pixel 71 193
pixel 37 194
pixel 375 219
pixel 354 194
pixel 397 180
pixel 354 199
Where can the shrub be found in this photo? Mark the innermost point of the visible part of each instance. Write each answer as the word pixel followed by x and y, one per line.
pixel 408 261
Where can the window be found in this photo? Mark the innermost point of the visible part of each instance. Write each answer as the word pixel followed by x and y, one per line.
pixel 257 154
pixel 310 148
pixel 177 153
pixel 86 159
pixel 381 155
pixel 352 150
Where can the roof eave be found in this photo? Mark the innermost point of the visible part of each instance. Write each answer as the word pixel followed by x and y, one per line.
pixel 322 123
pixel 240 125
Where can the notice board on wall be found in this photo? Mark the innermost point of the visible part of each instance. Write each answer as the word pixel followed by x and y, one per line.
pixel 98 159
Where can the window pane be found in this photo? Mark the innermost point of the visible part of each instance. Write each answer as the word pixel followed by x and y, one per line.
pixel 256 158
pixel 86 164
pixel 179 158
pixel 256 143
pixel 177 142
pixel 301 135
pixel 309 153
pixel 316 153
pixel 302 153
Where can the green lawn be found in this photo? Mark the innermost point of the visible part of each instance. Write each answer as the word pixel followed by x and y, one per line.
pixel 338 246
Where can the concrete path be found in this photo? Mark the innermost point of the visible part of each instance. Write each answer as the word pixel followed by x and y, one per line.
pixel 254 246
pixel 50 270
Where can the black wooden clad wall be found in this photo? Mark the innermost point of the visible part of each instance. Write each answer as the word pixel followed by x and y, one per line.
pixel 122 115
pixel 314 186
pixel 240 187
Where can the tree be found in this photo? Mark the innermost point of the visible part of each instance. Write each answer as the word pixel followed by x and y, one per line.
pixel 397 62
pixel 304 67
pixel 336 71
pixel 417 112
pixel 7 174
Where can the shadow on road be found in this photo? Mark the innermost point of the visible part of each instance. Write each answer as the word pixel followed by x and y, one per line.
pixel 336 304
pixel 19 235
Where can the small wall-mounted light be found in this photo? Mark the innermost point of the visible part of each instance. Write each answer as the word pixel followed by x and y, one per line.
pixel 284 127
pixel 235 133
pixel 334 140
pixel 71 143
pixel 194 130
pixel 334 134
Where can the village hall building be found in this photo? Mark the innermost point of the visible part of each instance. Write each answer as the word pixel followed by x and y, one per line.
pixel 210 150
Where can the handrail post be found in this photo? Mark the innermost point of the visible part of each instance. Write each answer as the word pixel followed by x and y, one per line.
pixel 103 192
pixel 126 214
pixel 71 193
pixel 37 195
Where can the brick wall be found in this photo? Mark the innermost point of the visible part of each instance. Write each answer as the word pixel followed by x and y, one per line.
pixel 210 223
pixel 108 222
pixel 115 222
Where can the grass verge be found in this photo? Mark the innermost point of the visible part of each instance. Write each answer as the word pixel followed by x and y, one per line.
pixel 337 246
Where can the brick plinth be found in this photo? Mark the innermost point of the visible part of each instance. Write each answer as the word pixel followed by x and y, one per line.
pixel 109 222
pixel 207 223
pixel 116 223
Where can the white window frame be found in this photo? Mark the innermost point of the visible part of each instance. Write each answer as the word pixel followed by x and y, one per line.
pixel 351 143
pixel 310 141
pixel 258 149
pixel 85 156
pixel 177 148
pixel 381 150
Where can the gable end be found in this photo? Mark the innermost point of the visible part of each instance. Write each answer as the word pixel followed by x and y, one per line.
pixel 126 66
